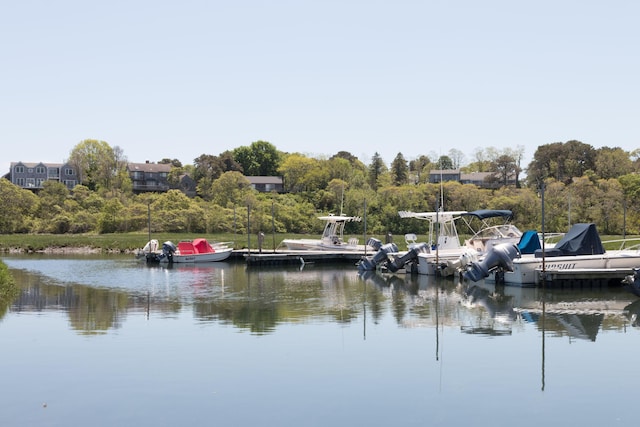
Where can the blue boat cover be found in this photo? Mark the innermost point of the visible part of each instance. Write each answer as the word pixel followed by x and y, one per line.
pixel 490 213
pixel 529 242
pixel 582 239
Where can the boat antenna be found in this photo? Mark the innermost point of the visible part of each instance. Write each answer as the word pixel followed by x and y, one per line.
pixel 342 200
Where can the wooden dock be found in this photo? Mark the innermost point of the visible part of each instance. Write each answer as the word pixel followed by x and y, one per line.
pixel 264 258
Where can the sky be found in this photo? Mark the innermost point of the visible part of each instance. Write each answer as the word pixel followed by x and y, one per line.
pixel 178 79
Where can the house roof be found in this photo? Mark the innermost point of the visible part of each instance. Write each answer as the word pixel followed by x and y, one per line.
pixel 264 179
pixel 149 167
pixel 34 164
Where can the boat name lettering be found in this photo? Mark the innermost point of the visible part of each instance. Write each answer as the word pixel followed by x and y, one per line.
pixel 566 266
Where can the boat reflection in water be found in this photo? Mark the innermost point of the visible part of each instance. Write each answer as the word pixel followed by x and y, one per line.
pixel 261 299
pixel 494 310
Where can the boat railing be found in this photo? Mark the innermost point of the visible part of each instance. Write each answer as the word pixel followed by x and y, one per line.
pixel 623 243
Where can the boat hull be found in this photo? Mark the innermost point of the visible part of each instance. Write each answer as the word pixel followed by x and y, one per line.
pixel 219 255
pixel 527 269
pixel 445 263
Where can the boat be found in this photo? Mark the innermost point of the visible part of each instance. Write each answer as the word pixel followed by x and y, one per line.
pixel 490 234
pixel 443 255
pixel 187 251
pixel 579 255
pixel 443 247
pixel 332 238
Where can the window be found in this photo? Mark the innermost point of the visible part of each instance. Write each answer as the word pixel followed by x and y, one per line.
pixel 19 169
pixel 20 182
pixel 39 182
pixel 31 183
pixel 69 171
pixel 70 183
pixel 40 170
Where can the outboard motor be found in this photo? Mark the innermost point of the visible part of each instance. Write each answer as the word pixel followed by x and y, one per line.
pixel 411 255
pixel 632 282
pixel 500 256
pixel 380 256
pixel 374 243
pixel 168 249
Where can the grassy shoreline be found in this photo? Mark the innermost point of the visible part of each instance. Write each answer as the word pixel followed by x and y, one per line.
pixel 131 242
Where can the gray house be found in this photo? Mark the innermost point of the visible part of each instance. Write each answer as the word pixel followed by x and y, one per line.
pixel 266 184
pixel 32 175
pixel 149 176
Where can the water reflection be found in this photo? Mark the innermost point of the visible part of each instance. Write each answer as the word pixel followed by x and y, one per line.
pixel 98 294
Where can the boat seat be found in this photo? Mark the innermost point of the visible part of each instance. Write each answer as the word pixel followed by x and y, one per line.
pixel 410 238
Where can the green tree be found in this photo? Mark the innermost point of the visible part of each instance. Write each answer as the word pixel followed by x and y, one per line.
pixel 612 162
pixel 259 159
pixel 299 172
pixel 421 168
pixel 96 163
pixel 173 162
pixel 505 167
pixel 399 170
pixel 179 213
pixel 19 206
pixel 561 161
pixel 445 163
pixel 377 169
pixel 230 189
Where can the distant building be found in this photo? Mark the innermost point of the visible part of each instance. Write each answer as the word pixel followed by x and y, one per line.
pixel 32 176
pixel 444 175
pixel 266 184
pixel 480 179
pixel 149 177
pixel 145 177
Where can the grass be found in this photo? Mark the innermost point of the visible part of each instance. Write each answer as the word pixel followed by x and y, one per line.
pixel 130 242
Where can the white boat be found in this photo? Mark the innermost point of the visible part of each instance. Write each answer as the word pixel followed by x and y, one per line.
pixel 188 251
pixel 332 238
pixel 490 235
pixel 443 246
pixel 443 255
pixel 448 256
pixel 579 255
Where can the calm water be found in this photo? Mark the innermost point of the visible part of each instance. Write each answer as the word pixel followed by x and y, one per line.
pixel 106 341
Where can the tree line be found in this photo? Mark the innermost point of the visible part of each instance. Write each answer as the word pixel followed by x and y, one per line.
pixel 580 183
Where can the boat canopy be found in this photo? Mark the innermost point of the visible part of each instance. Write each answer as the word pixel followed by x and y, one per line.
pixel 197 246
pixel 581 239
pixel 490 213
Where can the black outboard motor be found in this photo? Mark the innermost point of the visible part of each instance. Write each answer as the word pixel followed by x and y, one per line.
pixel 168 249
pixel 632 282
pixel 500 256
pixel 400 261
pixel 370 263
